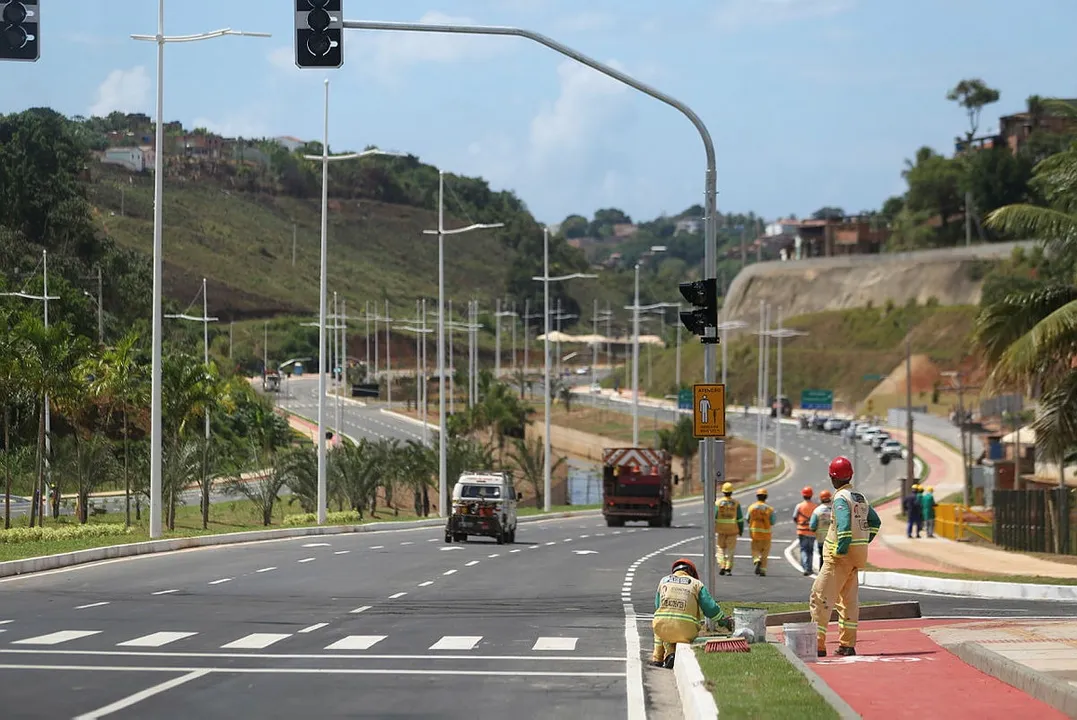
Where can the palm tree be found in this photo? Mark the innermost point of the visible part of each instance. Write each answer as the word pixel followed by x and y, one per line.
pixel 418 468
pixel 681 443
pixel 10 387
pixel 529 458
pixel 119 378
pixel 303 476
pixel 356 468
pixel 264 490
pixel 90 462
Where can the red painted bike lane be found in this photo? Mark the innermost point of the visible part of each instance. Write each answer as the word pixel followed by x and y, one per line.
pixel 899 672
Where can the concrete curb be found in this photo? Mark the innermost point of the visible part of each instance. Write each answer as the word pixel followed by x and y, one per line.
pixel 969 588
pixel 697 702
pixel 842 708
pixel 111 552
pixel 889 611
pixel 1054 692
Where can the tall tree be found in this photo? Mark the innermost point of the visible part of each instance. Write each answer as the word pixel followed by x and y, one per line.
pixel 973 95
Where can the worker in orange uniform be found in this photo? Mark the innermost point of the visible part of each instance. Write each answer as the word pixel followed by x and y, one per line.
pixel 680 604
pixel 855 524
pixel 760 521
pixel 820 521
pixel 805 535
pixel 728 526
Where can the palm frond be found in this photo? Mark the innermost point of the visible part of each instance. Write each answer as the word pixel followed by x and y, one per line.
pixel 1049 345
pixel 1001 324
pixel 1056 422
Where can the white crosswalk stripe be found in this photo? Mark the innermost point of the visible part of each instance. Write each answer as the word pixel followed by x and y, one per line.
pixel 356 642
pixel 255 641
pixel 157 639
pixel 57 637
pixel 555 643
pixel 457 642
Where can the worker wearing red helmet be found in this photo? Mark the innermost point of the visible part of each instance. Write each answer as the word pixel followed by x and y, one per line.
pixel 805 535
pixel 855 524
pixel 680 604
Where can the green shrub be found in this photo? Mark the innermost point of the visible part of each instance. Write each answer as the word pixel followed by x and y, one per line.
pixel 333 518
pixel 64 532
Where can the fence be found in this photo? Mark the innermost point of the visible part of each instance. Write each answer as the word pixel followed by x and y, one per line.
pixel 957 522
pixel 1027 520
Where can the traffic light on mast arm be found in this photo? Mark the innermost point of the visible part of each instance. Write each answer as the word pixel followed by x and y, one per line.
pixel 319 33
pixel 703 294
pixel 19 30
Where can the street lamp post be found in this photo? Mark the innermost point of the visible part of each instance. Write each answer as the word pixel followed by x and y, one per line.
pixel 546 280
pixel 158 255
pixel 781 333
pixel 635 364
pixel 441 232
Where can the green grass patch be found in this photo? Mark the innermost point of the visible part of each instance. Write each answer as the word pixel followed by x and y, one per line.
pixel 984 577
pixel 761 683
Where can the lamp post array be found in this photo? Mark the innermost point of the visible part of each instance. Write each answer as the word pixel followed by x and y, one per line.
pixel 158 254
pixel 441 232
pixel 498 314
pixel 546 389
pixel 781 333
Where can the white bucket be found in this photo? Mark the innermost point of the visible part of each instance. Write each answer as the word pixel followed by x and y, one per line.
pixel 801 639
pixel 755 619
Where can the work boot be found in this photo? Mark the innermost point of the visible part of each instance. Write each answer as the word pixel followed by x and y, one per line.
pixel 658 663
pixel 821 652
pixel 669 662
pixel 756 567
pixel 844 651
pixel 721 571
pixel 807 573
pixel 761 572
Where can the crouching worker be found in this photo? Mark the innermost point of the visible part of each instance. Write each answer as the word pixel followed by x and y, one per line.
pixel 680 605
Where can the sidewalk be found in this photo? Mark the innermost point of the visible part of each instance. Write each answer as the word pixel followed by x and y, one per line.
pixel 893 550
pixel 307 428
pixel 900 671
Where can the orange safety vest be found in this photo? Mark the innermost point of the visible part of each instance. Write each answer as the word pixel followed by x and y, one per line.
pixel 803 518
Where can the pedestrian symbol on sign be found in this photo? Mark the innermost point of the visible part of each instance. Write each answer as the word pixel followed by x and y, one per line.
pixel 704 410
pixel 708 410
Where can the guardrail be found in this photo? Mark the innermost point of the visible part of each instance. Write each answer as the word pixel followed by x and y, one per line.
pixel 958 522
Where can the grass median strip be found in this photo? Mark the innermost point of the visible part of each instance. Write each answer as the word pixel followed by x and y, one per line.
pixel 760 683
pixel 983 577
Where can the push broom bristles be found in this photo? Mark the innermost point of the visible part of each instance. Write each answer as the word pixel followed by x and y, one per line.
pixel 727 645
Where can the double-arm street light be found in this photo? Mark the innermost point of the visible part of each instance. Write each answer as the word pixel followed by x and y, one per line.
pixel 498 314
pixel 596 316
pixel 546 391
pixel 421 331
pixel 158 259
pixel 636 310
pixel 781 333
pixel 441 232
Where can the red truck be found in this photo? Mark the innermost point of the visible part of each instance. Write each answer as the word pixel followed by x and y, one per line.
pixel 637 484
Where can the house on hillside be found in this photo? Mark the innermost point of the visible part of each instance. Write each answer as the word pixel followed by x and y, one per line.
pixel 132 158
pixel 1014 130
pixel 202 145
pixel 291 144
pixel 690 226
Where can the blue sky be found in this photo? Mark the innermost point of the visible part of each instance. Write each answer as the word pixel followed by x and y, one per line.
pixel 810 102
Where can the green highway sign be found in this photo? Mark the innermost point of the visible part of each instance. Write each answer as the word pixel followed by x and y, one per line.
pixel 817 399
pixel 684 399
pixel 874 376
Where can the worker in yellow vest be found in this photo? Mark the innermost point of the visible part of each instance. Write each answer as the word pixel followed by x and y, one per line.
pixel 680 604
pixel 855 524
pixel 760 521
pixel 728 526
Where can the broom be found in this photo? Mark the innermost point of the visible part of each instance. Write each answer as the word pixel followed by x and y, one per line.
pixel 733 644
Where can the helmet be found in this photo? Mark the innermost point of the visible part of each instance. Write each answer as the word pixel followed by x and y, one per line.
pixel 727 488
pixel 916 487
pixel 824 496
pixel 807 492
pixel 761 492
pixel 841 468
pixel 687 566
pixel 929 489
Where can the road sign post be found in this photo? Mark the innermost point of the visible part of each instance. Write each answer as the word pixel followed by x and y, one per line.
pixel 708 410
pixel 817 399
pixel 684 399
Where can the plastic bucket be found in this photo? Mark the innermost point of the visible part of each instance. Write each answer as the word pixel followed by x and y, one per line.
pixel 755 619
pixel 801 639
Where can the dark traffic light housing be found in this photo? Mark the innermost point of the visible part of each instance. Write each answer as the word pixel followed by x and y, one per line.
pixel 703 320
pixel 19 30
pixel 319 33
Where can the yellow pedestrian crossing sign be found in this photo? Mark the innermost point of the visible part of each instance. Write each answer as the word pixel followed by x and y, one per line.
pixel 708 410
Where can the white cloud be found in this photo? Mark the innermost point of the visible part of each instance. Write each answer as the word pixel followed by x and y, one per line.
pixel 733 14
pixel 564 129
pixel 282 58
pixel 123 90
pixel 394 51
pixel 233 126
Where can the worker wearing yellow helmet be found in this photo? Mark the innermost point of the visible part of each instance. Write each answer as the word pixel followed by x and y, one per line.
pixel 760 521
pixel 927 509
pixel 728 526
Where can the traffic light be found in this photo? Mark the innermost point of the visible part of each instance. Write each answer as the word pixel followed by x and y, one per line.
pixel 319 34
pixel 19 23
pixel 703 294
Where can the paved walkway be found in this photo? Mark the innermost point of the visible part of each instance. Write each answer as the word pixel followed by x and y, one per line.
pixel 901 672
pixel 894 550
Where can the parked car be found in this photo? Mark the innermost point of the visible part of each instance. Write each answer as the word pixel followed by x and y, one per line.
pixel 892 449
pixel 868 434
pixel 878 440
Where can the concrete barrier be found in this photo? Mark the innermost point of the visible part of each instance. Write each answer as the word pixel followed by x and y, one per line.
pixel 969 588
pixel 889 611
pixel 697 702
pixel 1046 688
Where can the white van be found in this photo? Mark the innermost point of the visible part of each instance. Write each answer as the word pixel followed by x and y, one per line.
pixel 483 503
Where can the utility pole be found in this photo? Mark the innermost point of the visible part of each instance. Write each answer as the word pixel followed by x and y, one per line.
pixel 293 243
pixel 265 348
pixel 100 308
pixel 388 358
pixel 910 464
pixel 968 225
pixel 366 314
pixel 452 365
pixel 527 340
pixel 497 339
pixel 515 322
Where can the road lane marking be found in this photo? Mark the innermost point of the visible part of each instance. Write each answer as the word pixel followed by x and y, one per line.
pixel 356 642
pixel 255 641
pixel 316 545
pixel 472 563
pixel 555 643
pixel 218 582
pixel 492 555
pixel 306 656
pixel 377 547
pixel 57 637
pixel 407 542
pixel 457 642
pixel 267 569
pixel 516 550
pixel 306 560
pixel 91 605
pixel 143 695
pixel 312 628
pixel 394 596
pixel 358 610
pixel 156 639
pixel 6 622
pixel 165 592
pixel 198 672
pixel 551 543
pixel 426 583
pixel 448 572
pixel 342 552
